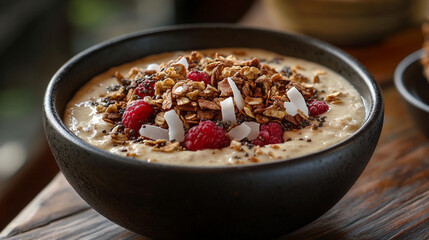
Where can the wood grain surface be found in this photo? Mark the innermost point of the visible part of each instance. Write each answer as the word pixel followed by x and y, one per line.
pixel 389 201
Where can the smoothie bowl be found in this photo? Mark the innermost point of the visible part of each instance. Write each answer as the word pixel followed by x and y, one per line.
pixel 240 132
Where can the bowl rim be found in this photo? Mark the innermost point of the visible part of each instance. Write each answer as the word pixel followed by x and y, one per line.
pixel 371 114
pixel 399 80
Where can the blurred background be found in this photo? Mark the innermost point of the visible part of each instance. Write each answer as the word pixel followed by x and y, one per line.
pixel 37 37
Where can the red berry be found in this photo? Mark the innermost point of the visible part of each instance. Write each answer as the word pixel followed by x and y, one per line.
pixel 146 88
pixel 206 136
pixel 270 133
pixel 136 114
pixel 316 107
pixel 199 76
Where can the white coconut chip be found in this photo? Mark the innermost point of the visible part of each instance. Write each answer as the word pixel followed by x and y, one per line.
pixel 153 132
pixel 239 132
pixel 153 66
pixel 238 99
pixel 290 108
pixel 184 62
pixel 175 126
pixel 254 130
pixel 296 98
pixel 228 111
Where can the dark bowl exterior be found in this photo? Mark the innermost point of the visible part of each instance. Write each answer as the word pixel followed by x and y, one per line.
pixel 414 89
pixel 252 201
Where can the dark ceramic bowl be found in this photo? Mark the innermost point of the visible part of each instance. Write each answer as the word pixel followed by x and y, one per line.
pixel 263 200
pixel 414 89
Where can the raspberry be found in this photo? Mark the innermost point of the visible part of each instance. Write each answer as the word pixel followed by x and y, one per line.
pixel 316 107
pixel 136 113
pixel 270 133
pixel 146 88
pixel 199 76
pixel 206 136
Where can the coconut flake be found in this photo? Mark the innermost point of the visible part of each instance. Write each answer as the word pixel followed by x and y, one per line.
pixel 184 62
pixel 153 132
pixel 239 132
pixel 153 66
pixel 254 130
pixel 228 111
pixel 239 101
pixel 290 108
pixel 296 98
pixel 175 126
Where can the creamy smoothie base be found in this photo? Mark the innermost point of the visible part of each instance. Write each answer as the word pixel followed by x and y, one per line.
pixel 94 115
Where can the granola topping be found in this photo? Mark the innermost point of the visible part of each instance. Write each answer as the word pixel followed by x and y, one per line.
pixel 243 92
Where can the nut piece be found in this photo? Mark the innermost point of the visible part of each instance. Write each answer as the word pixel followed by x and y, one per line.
pixel 191 116
pixel 111 114
pixel 100 108
pixel 253 101
pixel 162 86
pixel 316 79
pixel 182 101
pixel 167 104
pixel 180 74
pixel 250 73
pixel 180 89
pixel 195 56
pixel 117 95
pixel 210 91
pixel 254 63
pixel 230 71
pixel 179 69
pixel 275 112
pixel 117 137
pixel 112 108
pixel 206 104
pixel 197 85
pixel 333 97
pixel 159 119
pixel 261 118
pixel 224 88
pixel 246 89
pixel 166 147
pixel 248 112
pixel 206 115
pixel 193 95
pixel 276 78
pixel 291 119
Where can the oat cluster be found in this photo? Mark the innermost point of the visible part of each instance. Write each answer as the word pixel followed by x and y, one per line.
pixel 262 88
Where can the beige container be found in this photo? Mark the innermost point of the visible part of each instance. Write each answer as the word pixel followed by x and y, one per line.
pixel 345 22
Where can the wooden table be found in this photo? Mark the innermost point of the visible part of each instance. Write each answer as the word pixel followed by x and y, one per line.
pixel 389 200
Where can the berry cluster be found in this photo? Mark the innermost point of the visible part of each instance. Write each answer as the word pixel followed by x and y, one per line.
pixel 136 114
pixel 146 88
pixel 206 135
pixel 316 107
pixel 270 133
pixel 198 76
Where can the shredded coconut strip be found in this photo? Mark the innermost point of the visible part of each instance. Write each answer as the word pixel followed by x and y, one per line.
pixel 228 112
pixel 238 99
pixel 175 126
